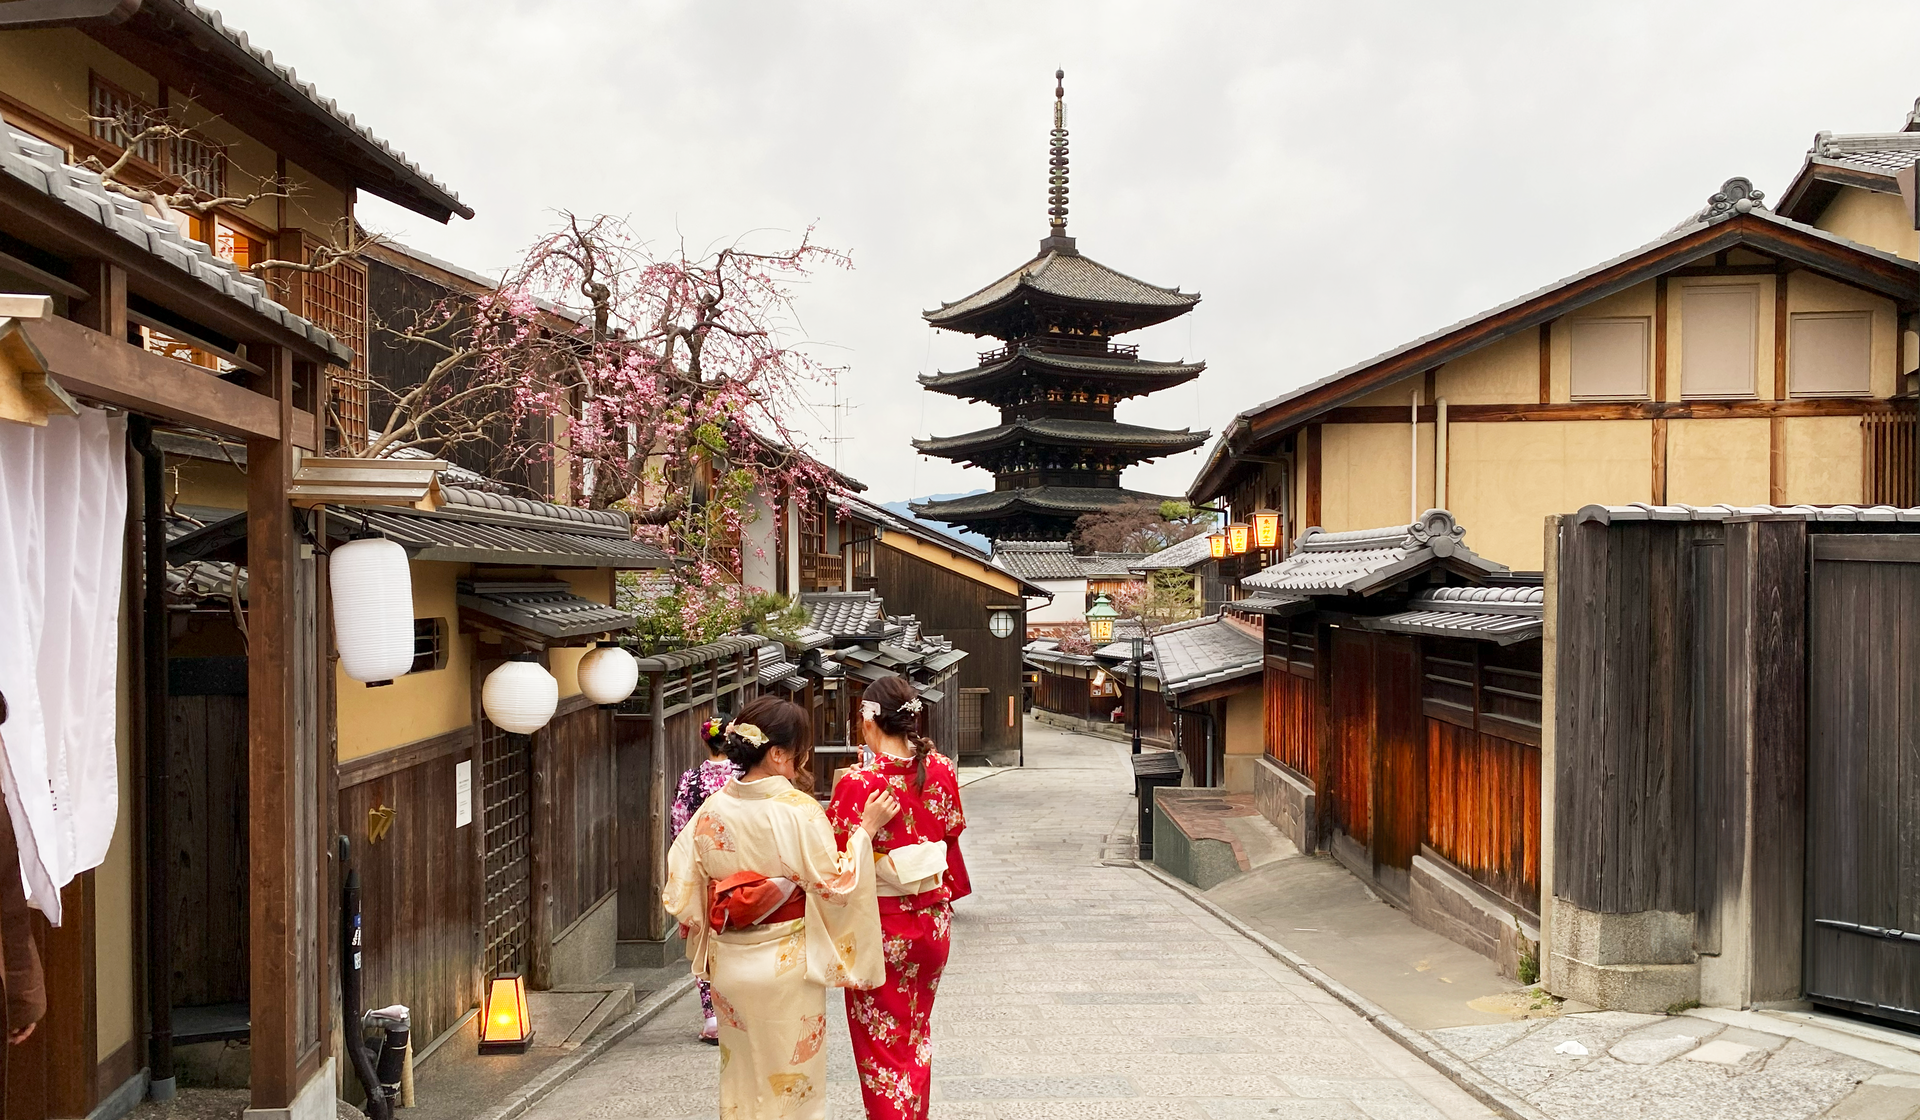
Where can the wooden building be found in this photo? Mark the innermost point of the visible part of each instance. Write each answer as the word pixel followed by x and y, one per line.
pixel 159 316
pixel 1057 452
pixel 1731 798
pixel 1402 698
pixel 1744 357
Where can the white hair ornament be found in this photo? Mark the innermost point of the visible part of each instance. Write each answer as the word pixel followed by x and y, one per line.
pixel 913 706
pixel 870 709
pixel 748 732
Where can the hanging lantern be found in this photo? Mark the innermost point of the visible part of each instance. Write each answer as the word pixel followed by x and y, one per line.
pixel 1100 620
pixel 520 695
pixel 508 1028
pixel 1237 538
pixel 372 609
pixel 1217 545
pixel 1266 528
pixel 608 674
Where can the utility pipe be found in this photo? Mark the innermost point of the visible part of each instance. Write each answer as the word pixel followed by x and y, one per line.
pixel 153 685
pixel 379 1107
pixel 1440 452
pixel 1413 461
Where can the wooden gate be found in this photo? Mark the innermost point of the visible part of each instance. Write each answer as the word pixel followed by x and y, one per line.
pixel 507 800
pixel 972 715
pixel 1863 797
pixel 1378 753
pixel 1352 748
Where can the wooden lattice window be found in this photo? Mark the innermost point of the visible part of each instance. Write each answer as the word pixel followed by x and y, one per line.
pixel 118 116
pixel 189 157
pixel 336 302
pixel 429 644
pixel 1892 467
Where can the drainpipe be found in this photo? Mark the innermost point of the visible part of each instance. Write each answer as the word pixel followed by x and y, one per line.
pixel 153 679
pixel 1208 717
pixel 1440 452
pixel 1413 461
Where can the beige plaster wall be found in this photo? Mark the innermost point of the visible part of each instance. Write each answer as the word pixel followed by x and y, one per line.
pixel 564 661
pixel 114 901
pixel 1763 335
pixel 1364 477
pixel 1245 738
pixel 418 705
pixel 1506 372
pixel 1636 303
pixel 1718 461
pixel 1505 478
pixel 1808 292
pixel 199 482
pixel 1824 462
pixel 1397 395
pixel 1879 220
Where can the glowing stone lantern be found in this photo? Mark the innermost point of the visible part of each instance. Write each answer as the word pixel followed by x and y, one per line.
pixel 372 609
pixel 1237 537
pixel 1100 620
pixel 520 696
pixel 1266 528
pixel 1217 545
pixel 507 1027
pixel 608 674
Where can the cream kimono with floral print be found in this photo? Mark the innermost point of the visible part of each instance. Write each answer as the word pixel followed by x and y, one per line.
pixel 769 982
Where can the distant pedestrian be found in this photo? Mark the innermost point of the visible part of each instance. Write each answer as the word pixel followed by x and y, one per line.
pixel 696 785
pixel 920 873
pixel 775 914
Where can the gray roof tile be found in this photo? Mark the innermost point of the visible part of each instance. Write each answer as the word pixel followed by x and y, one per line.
pixel 1038 559
pixel 1067 276
pixel 548 608
pixel 1209 651
pixel 1180 554
pixel 1363 561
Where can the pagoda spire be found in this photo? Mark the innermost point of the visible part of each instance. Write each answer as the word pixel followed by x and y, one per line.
pixel 1057 239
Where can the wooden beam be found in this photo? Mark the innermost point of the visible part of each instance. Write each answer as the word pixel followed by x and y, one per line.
pixel 1546 363
pixel 271 559
pixel 1310 451
pixel 1619 410
pixel 1660 339
pixel 1780 321
pixel 92 364
pixel 1777 461
pixel 72 988
pixel 1659 462
pixel 1777 427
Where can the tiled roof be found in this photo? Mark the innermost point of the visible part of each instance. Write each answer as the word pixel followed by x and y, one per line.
pixel 505 509
pixel 1103 433
pixel 450 534
pixel 1180 554
pixel 43 168
pixel 1498 614
pixel 1130 375
pixel 1267 603
pixel 1640 511
pixel 1043 499
pixel 1110 565
pixel 1872 153
pixel 326 105
pixel 846 614
pixel 1038 559
pixel 729 645
pixel 1209 651
pixel 775 669
pixel 1365 560
pixel 1070 276
pixel 547 608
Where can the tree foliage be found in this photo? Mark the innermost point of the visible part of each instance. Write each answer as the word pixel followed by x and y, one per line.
pixel 1140 526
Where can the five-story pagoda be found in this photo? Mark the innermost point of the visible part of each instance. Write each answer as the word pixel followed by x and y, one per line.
pixel 1057 452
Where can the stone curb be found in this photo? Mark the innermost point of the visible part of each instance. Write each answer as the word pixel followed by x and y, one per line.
pixel 1478 1085
pixel 556 1074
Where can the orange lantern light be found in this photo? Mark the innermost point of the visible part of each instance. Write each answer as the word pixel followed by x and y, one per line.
pixel 1217 545
pixel 1237 537
pixel 505 1024
pixel 1266 528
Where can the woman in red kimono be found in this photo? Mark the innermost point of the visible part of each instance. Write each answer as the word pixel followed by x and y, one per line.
pixel 919 871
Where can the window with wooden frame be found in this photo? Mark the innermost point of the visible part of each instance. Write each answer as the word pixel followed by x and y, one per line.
pixel 1891 460
pixel 1488 688
pixel 1830 353
pixel 335 300
pixel 1608 358
pixel 1293 645
pixel 429 644
pixel 189 157
pixel 1719 326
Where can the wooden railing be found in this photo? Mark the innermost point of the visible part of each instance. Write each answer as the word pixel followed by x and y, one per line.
pixel 821 571
pixel 1097 347
pixel 1892 468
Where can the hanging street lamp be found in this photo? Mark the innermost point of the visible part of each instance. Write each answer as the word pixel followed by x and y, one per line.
pixel 1237 538
pixel 372 609
pixel 1266 528
pixel 1217 545
pixel 608 674
pixel 520 696
pixel 1100 620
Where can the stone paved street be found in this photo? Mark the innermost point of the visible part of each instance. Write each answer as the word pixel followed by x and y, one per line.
pixel 1078 990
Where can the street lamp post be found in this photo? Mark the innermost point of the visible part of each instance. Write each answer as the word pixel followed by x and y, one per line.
pixel 1139 651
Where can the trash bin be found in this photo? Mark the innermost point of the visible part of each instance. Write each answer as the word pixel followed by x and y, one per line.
pixel 1151 770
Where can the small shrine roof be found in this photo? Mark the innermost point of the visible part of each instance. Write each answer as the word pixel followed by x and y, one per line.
pixel 1364 561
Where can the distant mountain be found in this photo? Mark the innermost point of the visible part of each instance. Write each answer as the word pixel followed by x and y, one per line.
pixel 904 509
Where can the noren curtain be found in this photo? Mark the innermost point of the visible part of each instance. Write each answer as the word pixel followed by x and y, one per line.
pixel 63 515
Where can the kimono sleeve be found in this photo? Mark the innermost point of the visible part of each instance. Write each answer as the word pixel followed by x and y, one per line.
pixel 947 780
pixel 685 895
pixel 849 802
pixel 843 912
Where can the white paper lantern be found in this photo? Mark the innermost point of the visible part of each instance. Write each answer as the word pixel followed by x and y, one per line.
pixel 520 696
pixel 608 674
pixel 372 609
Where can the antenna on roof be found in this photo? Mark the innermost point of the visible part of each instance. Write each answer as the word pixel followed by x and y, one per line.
pixel 1057 239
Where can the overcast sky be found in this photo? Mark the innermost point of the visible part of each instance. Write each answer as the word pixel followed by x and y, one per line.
pixel 1334 179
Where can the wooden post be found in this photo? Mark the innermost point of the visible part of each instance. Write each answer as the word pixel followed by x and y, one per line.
pixel 1310 449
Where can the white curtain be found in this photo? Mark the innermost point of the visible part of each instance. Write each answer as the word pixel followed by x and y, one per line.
pixel 63 517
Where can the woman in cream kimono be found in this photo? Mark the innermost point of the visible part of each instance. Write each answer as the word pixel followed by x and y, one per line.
pixel 775 913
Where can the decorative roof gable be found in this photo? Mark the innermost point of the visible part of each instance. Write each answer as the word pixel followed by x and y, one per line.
pixel 1366 561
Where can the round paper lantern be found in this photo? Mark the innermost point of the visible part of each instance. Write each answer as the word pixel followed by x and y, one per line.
pixel 608 674
pixel 520 695
pixel 372 609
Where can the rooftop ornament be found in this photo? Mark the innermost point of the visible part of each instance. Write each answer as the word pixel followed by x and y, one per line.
pixel 1057 238
pixel 1735 196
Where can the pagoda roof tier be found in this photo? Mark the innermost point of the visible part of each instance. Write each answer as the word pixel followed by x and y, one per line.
pixel 1123 376
pixel 1062 279
pixel 1050 431
pixel 1057 501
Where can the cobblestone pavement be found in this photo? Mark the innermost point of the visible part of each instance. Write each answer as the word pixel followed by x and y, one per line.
pixel 1077 991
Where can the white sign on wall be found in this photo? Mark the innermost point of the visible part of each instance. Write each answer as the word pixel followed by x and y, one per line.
pixel 462 794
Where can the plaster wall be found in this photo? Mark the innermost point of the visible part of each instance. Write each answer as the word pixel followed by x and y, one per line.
pixel 1636 302
pixel 760 546
pixel 1505 478
pixel 418 705
pixel 1871 218
pixel 1808 292
pixel 201 482
pixel 1824 460
pixel 114 901
pixel 1762 373
pixel 1245 737
pixel 1069 602
pixel 1715 461
pixel 1364 476
pixel 1507 372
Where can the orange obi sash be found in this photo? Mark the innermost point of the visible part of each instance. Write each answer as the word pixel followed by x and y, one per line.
pixel 748 898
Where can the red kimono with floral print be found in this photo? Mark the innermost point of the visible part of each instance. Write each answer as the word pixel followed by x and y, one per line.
pixel 888 1024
